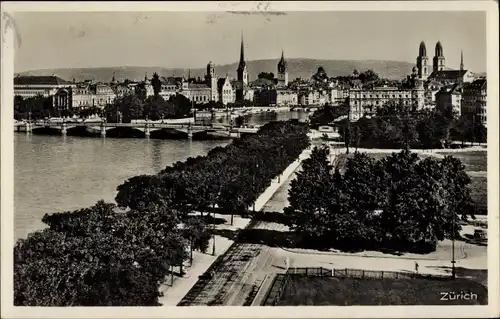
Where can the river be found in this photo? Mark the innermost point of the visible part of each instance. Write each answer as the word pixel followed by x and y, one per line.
pixel 56 173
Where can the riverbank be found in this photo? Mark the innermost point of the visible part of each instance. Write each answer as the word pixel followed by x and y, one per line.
pixel 56 174
pixel 201 262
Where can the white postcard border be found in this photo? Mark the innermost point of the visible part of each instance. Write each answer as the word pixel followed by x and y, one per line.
pixel 7 160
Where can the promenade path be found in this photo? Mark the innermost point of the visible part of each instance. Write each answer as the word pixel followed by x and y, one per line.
pixel 174 293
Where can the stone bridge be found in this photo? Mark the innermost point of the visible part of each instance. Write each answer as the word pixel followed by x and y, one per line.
pixel 147 127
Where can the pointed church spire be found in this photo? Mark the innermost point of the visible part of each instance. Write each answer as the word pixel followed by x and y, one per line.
pixel 242 50
pixel 461 60
pixel 242 63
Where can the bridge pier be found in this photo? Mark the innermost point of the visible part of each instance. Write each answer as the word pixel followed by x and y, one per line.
pixel 64 130
pixel 190 132
pixel 147 130
pixel 103 130
pixel 29 127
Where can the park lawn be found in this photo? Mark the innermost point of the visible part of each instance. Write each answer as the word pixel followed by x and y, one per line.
pixel 479 192
pixel 331 291
pixel 473 161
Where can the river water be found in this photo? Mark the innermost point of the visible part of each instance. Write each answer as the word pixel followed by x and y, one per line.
pixel 56 173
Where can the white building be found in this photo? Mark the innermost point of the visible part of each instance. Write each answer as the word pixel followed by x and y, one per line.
pixel 367 101
pixel 31 86
pixel 226 92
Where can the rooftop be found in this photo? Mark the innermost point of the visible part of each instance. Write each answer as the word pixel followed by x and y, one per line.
pixel 197 86
pixel 39 80
pixel 477 84
pixel 447 75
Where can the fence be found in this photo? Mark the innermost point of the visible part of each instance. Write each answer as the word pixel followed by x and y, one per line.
pixel 275 291
pixel 381 274
pixel 310 271
pixel 280 280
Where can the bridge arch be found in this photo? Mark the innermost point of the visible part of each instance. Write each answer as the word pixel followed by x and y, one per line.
pixel 46 130
pixel 125 132
pixel 80 131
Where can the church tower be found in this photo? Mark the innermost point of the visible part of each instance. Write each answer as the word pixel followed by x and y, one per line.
pixel 282 71
pixel 242 66
pixel 211 79
pixel 438 63
pixel 461 61
pixel 422 62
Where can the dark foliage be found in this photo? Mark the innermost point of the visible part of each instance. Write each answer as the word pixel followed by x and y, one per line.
pixel 399 126
pixel 98 257
pixel 230 178
pixel 398 203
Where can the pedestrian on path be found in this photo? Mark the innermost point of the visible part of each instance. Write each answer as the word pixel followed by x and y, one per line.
pixel 416 267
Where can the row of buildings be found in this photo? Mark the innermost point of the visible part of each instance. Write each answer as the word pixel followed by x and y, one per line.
pixel 423 89
pixel 428 86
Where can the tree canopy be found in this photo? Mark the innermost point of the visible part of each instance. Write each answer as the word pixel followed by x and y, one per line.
pixel 266 75
pixel 231 179
pixel 399 202
pixel 397 125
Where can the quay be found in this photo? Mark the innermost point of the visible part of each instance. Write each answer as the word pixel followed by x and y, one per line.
pixel 147 127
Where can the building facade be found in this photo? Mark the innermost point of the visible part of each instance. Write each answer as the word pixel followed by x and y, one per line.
pixel 450 96
pixel 225 91
pixel 276 96
pixel 367 101
pixel 84 96
pixel 196 92
pixel 474 96
pixel 31 86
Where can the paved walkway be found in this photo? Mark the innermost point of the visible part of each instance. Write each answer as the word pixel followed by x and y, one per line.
pixel 201 262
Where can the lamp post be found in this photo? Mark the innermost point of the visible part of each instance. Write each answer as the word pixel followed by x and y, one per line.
pixel 213 227
pixel 453 274
pixel 213 230
pixel 253 184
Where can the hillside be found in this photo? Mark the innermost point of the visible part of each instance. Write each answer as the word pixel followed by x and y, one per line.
pixel 297 68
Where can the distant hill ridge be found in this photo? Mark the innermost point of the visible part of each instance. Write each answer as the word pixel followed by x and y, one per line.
pixel 300 67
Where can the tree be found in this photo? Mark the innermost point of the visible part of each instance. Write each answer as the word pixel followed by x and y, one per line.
pixel 368 76
pixel 155 107
pixel 308 193
pixel 96 257
pixel 141 91
pixel 197 234
pixel 129 106
pixel 156 83
pixel 178 106
pixel 399 202
pixel 266 75
pixel 329 113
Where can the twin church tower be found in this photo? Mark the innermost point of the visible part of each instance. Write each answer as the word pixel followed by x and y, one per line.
pixel 242 71
pixel 438 62
pixel 241 85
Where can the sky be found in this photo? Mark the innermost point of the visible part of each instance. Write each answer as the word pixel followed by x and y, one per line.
pixel 192 39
